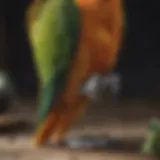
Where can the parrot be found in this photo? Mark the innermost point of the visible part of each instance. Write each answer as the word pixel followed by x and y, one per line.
pixel 70 40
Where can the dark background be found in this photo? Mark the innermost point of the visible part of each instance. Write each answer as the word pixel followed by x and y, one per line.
pixel 139 58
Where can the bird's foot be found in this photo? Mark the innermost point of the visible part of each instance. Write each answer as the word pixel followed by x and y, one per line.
pixel 59 121
pixel 64 123
pixel 45 131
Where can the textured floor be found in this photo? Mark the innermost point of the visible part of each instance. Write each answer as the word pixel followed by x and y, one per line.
pixel 54 154
pixel 119 121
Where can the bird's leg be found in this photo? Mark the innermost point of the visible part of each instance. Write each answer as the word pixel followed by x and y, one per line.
pixel 45 131
pixel 73 103
pixel 68 116
pixel 58 121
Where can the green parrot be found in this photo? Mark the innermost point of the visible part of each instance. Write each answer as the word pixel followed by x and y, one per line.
pixel 55 32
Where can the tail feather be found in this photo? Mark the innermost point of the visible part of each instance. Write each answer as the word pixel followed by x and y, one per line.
pixel 49 96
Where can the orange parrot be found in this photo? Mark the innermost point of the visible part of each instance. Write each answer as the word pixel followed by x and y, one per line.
pixel 100 29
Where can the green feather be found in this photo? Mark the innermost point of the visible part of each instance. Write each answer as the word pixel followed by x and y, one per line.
pixel 54 38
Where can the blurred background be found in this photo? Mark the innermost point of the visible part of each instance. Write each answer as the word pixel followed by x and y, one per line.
pixel 138 67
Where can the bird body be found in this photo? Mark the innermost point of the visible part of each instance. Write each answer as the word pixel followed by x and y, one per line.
pixel 71 40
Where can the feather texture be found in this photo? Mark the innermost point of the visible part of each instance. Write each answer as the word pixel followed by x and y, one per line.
pixel 70 44
pixel 54 35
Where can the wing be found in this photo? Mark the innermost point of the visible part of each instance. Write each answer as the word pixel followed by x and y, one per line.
pixel 54 36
